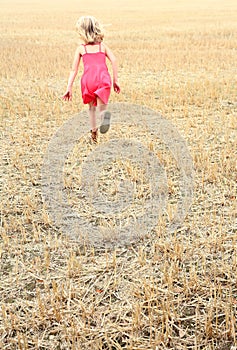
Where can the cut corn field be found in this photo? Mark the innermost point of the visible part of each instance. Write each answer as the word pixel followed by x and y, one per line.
pixel 164 291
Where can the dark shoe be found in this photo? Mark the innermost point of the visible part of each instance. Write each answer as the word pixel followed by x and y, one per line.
pixel 94 136
pixel 105 122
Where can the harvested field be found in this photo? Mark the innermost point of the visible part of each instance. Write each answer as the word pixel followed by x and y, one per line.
pixel 164 291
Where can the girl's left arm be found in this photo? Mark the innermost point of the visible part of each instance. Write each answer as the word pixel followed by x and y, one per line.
pixel 73 74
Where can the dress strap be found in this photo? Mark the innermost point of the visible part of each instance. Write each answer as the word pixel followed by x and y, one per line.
pixel 100 47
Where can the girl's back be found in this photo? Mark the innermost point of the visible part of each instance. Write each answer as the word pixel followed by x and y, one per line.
pixel 95 80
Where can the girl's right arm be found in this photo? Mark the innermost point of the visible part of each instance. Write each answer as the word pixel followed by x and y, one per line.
pixel 113 61
pixel 73 74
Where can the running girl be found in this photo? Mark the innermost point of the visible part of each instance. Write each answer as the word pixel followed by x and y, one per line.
pixel 96 81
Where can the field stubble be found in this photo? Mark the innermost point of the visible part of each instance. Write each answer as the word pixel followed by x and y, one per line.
pixel 165 292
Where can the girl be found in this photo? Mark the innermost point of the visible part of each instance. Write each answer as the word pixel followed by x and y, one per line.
pixel 96 80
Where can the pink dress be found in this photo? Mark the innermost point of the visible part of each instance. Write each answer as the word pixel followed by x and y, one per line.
pixel 96 80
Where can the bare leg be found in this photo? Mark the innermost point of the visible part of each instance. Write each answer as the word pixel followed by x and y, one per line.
pixel 102 107
pixel 104 115
pixel 92 116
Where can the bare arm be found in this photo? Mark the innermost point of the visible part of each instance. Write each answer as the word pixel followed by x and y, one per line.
pixel 73 74
pixel 113 61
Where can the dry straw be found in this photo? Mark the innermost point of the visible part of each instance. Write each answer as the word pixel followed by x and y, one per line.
pixel 165 292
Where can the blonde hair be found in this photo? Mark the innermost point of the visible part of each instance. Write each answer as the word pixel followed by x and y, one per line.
pixel 89 29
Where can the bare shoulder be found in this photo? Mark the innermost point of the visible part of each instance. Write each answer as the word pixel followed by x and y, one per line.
pixel 109 53
pixel 106 49
pixel 104 46
pixel 80 49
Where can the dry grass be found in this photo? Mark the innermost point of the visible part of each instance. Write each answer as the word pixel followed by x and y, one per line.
pixel 178 292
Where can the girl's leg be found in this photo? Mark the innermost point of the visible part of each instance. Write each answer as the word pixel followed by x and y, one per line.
pixel 104 115
pixel 102 107
pixel 92 116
